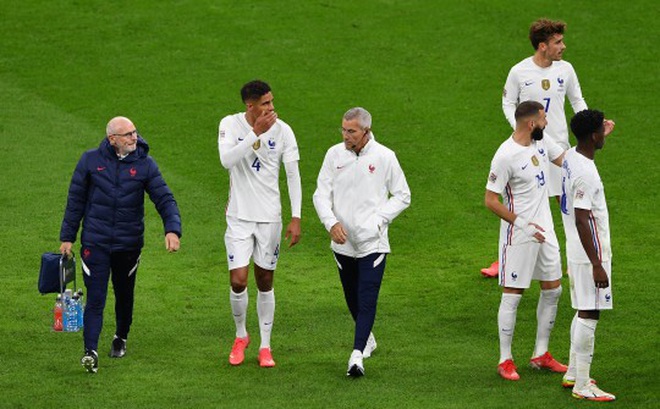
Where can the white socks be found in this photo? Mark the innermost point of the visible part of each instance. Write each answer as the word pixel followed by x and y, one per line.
pixel 570 372
pixel 506 321
pixel 546 312
pixel 583 343
pixel 266 313
pixel 239 304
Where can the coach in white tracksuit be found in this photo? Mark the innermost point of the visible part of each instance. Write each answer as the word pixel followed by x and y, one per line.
pixel 361 188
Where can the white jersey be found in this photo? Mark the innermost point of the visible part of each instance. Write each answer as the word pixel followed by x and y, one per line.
pixel 583 189
pixel 518 174
pixel 364 193
pixel 254 167
pixel 548 86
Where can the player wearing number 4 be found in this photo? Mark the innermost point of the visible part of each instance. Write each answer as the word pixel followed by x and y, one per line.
pixel 545 78
pixel 528 244
pixel 252 145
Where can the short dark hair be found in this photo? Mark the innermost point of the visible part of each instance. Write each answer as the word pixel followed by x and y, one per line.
pixel 587 122
pixel 527 109
pixel 254 90
pixel 543 29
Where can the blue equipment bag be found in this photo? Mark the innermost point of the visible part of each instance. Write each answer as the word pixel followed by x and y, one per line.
pixel 56 271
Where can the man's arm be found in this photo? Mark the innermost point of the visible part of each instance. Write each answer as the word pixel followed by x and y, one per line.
pixel 492 202
pixel 574 93
pixel 399 191
pixel 162 197
pixel 586 238
pixel 510 97
pixel 293 230
pixel 322 197
pixel 231 152
pixel 75 206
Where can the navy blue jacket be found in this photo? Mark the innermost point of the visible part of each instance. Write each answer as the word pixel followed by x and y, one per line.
pixel 107 194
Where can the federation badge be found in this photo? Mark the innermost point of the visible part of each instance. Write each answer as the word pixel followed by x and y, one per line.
pixel 545 84
pixel 535 161
pixel 256 145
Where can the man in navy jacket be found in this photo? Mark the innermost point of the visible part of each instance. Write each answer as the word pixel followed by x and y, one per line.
pixel 107 195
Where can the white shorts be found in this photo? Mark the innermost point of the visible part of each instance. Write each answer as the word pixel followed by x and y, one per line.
pixel 522 263
pixel 244 239
pixel 554 181
pixel 584 294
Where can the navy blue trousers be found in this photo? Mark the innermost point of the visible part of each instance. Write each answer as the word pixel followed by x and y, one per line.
pixel 361 279
pixel 98 266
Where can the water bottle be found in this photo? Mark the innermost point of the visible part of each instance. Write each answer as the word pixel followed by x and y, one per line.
pixel 80 309
pixel 57 314
pixel 72 314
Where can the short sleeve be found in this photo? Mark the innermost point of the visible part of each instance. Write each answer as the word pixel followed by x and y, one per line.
pixel 583 194
pixel 499 175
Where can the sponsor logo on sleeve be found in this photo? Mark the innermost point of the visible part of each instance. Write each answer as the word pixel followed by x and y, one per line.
pixel 492 177
pixel 579 194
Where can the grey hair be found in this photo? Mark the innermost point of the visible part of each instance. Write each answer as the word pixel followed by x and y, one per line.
pixel 362 115
pixel 111 129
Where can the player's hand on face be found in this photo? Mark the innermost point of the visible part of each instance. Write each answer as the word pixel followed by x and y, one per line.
pixel 600 277
pixel 293 232
pixel 264 122
pixel 609 126
pixel 338 234
pixel 172 242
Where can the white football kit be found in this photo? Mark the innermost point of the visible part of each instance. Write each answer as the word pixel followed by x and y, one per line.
pixel 254 195
pixel 519 174
pixel 549 86
pixel 364 193
pixel 583 189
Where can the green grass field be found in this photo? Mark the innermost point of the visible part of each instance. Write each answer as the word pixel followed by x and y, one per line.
pixel 431 73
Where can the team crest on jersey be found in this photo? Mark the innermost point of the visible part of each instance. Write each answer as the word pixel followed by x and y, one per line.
pixel 372 168
pixel 256 145
pixel 545 84
pixel 560 81
pixel 271 144
pixel 492 177
pixel 535 161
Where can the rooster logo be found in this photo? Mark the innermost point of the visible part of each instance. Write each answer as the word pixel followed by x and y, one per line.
pixel 372 168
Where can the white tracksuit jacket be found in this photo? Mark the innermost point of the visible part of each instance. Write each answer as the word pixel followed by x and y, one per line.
pixel 364 193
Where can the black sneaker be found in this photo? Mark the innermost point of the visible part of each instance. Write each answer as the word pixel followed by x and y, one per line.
pixel 118 348
pixel 90 361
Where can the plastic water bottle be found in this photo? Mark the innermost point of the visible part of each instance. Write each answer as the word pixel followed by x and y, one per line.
pixel 57 314
pixel 72 314
pixel 80 309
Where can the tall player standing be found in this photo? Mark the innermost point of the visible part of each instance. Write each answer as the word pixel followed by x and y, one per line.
pixel 252 145
pixel 586 223
pixel 547 79
pixel 528 245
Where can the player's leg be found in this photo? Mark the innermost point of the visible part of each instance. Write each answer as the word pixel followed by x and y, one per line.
pixel 266 255
pixel 516 267
pixel 96 274
pixel 548 271
pixel 124 267
pixel 589 301
pixel 371 269
pixel 239 243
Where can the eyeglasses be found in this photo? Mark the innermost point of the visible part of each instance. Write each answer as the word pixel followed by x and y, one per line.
pixel 127 134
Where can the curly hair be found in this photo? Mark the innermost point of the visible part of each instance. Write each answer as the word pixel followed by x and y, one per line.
pixel 254 90
pixel 587 122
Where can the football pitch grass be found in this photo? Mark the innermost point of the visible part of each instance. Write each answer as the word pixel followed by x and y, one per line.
pixel 431 73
